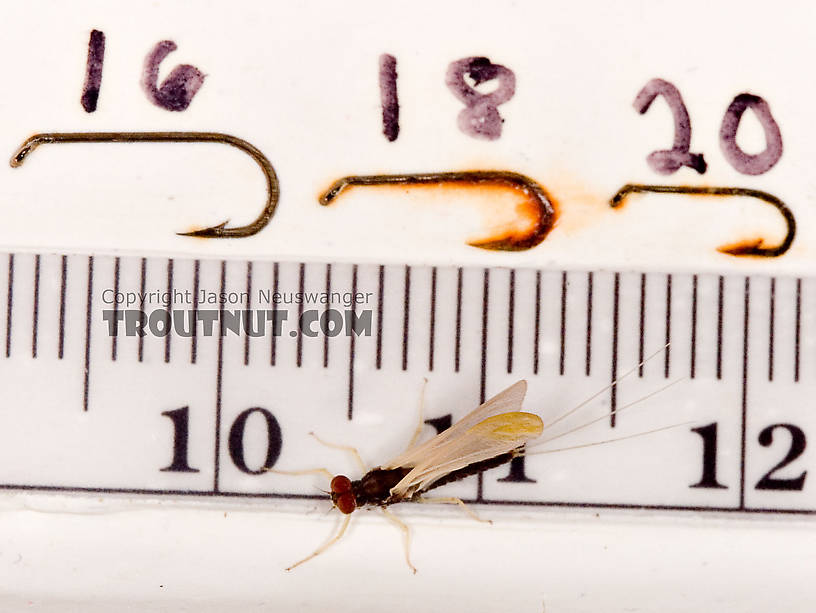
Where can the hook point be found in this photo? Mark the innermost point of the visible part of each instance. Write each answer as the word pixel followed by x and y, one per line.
pixel 215 231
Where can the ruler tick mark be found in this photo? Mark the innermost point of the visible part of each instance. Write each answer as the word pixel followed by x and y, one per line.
pixel 745 330
pixel 299 340
pixel 511 315
pixel 115 336
pixel 613 390
pixel 35 316
pixel 667 350
pixel 485 306
pixel 88 313
pixel 63 286
pixel 169 310
pixel 693 347
pixel 9 303
pixel 589 323
pixel 219 379
pixel 351 342
pixel 248 321
pixel 328 306
pixel 380 298
pixel 642 325
pixel 798 330
pixel 142 285
pixel 432 328
pixel 537 323
pixel 273 342
pixel 458 335
pixel 483 377
pixel 405 317
pixel 771 322
pixel 720 288
pixel 194 325
pixel 563 356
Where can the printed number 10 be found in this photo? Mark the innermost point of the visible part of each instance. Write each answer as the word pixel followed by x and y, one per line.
pixel 181 424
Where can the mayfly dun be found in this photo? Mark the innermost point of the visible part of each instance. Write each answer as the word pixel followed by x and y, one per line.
pixel 491 435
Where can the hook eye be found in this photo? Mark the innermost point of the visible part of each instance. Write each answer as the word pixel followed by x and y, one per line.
pixel 539 212
pixel 217 231
pixel 752 247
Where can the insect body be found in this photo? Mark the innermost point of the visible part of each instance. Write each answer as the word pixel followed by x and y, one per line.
pixel 489 436
pixel 448 457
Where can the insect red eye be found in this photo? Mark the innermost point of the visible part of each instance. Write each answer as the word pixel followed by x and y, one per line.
pixel 340 485
pixel 346 503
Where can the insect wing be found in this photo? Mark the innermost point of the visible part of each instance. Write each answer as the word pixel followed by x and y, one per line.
pixel 507 401
pixel 489 438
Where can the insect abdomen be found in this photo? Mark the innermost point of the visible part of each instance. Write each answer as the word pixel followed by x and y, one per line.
pixel 472 469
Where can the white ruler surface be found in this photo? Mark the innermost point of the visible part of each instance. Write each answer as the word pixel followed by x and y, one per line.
pixel 100 398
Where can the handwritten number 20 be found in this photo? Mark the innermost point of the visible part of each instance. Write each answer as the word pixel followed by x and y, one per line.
pixel 669 161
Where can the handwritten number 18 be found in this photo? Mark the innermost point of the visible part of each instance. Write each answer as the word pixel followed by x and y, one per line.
pixel 479 119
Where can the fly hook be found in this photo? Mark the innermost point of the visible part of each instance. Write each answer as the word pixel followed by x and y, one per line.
pixel 743 248
pixel 217 231
pixel 541 211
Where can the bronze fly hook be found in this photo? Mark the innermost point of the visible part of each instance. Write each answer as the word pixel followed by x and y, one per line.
pixel 744 248
pixel 217 231
pixel 543 208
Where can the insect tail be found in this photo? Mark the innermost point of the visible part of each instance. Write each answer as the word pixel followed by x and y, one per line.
pixel 614 383
pixel 524 452
pixel 615 412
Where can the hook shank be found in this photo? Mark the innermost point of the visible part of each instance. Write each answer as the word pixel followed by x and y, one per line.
pixel 544 209
pixel 217 231
pixel 747 248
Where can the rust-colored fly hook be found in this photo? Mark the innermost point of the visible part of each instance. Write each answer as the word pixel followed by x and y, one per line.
pixel 217 231
pixel 754 247
pixel 541 209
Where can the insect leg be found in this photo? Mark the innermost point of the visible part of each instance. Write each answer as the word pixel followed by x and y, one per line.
pixel 308 471
pixel 351 450
pixel 325 545
pixel 458 501
pixel 421 422
pixel 406 535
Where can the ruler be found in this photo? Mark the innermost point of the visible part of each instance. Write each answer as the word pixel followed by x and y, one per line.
pixel 135 406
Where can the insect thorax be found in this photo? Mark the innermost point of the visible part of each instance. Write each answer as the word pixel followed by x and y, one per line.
pixel 374 488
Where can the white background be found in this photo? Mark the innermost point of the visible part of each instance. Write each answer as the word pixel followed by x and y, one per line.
pixel 299 82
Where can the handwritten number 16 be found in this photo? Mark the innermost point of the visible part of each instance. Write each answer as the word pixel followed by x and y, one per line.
pixel 668 161
pixel 174 94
